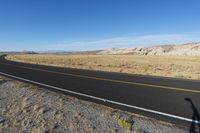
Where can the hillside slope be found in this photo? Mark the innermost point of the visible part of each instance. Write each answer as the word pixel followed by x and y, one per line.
pixel 189 49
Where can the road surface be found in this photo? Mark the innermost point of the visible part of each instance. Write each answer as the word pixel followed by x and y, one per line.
pixel 167 99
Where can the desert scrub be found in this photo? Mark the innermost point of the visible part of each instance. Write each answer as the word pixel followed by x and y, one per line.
pixel 125 123
pixel 183 76
pixel 167 66
pixel 22 85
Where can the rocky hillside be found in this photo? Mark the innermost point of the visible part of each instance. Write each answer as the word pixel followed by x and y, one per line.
pixel 189 49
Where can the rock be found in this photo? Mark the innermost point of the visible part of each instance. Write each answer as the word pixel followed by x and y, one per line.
pixel 2 120
pixel 189 49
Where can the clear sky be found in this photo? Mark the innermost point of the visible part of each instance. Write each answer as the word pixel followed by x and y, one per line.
pixel 96 24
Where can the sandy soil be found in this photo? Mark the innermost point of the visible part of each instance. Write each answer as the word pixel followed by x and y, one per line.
pixel 27 108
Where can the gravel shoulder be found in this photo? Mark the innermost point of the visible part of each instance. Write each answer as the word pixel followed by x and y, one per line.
pixel 28 108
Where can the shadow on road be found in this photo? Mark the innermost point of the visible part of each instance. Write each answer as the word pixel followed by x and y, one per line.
pixel 195 117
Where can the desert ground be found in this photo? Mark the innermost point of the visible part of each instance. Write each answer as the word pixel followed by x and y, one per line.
pixel 187 67
pixel 29 108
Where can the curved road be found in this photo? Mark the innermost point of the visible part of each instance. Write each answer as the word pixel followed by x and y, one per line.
pixel 169 99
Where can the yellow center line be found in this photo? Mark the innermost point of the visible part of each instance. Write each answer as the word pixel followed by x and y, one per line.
pixel 110 80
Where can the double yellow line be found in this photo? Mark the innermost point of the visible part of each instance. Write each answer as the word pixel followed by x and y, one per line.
pixel 109 80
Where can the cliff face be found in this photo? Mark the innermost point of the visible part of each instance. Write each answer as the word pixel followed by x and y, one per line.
pixel 189 49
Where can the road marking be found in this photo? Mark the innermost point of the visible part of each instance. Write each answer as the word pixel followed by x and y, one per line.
pixel 105 100
pixel 110 80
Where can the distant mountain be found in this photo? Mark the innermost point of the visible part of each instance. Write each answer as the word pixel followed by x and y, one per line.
pixel 27 52
pixel 55 52
pixel 69 52
pixel 188 49
pixel 19 52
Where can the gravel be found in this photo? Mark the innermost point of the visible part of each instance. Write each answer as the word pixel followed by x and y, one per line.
pixel 28 108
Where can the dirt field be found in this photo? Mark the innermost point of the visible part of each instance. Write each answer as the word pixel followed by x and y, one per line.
pixel 167 66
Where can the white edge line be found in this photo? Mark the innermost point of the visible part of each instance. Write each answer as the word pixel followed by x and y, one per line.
pixel 105 100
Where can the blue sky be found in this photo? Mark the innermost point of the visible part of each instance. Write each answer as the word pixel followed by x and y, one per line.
pixel 96 24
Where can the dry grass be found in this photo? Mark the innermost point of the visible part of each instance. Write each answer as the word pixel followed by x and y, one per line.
pixel 168 66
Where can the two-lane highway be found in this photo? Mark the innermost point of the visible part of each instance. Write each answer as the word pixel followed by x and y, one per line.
pixel 149 95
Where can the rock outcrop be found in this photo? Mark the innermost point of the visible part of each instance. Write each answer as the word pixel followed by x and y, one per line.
pixel 189 49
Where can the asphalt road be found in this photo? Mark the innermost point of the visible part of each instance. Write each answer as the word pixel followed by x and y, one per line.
pixel 162 98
